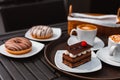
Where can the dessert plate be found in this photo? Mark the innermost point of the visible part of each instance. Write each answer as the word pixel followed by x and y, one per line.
pixel 36 47
pixel 56 35
pixel 91 66
pixel 103 54
pixel 98 43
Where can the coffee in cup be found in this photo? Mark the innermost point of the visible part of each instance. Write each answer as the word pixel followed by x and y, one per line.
pixel 115 38
pixel 87 27
pixel 85 32
pixel 114 47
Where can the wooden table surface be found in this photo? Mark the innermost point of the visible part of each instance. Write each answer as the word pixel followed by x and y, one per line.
pixel 32 68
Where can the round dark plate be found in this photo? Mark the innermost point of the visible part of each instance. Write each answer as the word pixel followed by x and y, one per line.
pixel 107 71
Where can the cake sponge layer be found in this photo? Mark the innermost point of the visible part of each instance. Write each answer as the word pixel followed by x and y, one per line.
pixel 72 65
pixel 78 58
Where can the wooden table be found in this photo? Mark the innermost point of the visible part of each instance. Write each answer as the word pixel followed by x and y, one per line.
pixel 32 68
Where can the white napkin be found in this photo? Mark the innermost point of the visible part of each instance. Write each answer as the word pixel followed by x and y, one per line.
pixel 104 20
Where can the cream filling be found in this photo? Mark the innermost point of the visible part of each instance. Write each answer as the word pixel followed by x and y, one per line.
pixel 74 56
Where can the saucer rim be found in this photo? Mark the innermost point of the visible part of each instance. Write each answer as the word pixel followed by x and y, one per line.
pixel 99 54
pixel 103 44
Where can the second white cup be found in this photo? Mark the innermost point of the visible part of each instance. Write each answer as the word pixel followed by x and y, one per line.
pixel 114 47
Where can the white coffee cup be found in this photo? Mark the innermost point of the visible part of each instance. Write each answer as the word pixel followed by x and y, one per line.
pixel 85 32
pixel 114 47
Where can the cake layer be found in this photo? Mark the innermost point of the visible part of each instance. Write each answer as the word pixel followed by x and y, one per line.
pixel 78 58
pixel 72 65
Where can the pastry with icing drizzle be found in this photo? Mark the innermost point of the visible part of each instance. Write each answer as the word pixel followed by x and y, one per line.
pixel 18 45
pixel 41 32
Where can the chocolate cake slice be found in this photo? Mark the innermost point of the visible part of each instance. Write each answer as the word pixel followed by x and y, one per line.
pixel 77 54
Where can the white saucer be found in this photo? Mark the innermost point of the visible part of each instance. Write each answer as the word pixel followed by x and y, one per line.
pixel 98 43
pixel 91 66
pixel 56 35
pixel 36 47
pixel 103 55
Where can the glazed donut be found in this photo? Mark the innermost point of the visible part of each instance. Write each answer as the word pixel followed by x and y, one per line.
pixel 41 32
pixel 18 45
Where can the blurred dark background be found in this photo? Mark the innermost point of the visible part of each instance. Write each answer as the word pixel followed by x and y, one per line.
pixel 95 6
pixel 21 14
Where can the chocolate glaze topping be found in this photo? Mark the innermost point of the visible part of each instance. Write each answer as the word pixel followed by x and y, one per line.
pixel 77 48
pixel 18 43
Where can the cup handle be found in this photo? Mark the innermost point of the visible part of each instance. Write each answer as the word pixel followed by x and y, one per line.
pixel 112 50
pixel 72 31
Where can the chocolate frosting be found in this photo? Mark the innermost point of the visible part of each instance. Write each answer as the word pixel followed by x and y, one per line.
pixel 77 48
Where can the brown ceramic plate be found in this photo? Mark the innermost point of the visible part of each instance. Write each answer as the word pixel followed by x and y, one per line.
pixel 107 71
